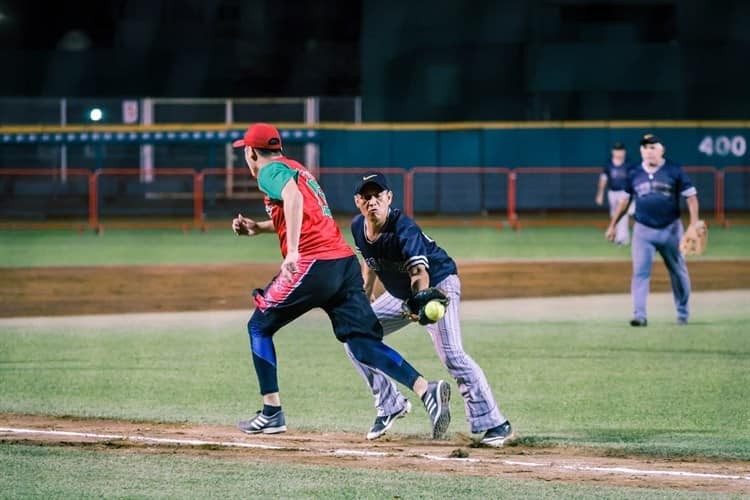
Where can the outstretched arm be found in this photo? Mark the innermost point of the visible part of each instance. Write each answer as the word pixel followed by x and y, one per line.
pixel 245 226
pixel 420 278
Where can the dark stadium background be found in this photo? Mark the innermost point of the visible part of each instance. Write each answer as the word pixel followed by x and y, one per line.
pixel 435 60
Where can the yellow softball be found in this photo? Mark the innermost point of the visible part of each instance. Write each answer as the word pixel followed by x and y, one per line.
pixel 434 310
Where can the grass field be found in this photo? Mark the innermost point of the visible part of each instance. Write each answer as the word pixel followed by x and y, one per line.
pixel 41 472
pixel 573 376
pixel 127 247
pixel 568 372
pixel 576 379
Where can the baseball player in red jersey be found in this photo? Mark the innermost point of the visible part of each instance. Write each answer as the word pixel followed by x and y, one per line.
pixel 319 270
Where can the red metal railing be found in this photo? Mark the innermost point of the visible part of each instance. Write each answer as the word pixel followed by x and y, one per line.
pixel 408 201
pixel 720 180
pixel 94 190
pixel 407 177
pixel 718 188
pixel 514 179
pixel 510 197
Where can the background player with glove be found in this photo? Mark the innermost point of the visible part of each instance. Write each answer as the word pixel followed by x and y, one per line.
pixel 414 270
pixel 657 185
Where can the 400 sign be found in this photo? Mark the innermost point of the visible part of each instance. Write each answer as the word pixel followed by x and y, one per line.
pixel 721 145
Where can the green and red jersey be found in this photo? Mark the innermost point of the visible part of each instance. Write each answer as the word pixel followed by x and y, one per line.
pixel 320 237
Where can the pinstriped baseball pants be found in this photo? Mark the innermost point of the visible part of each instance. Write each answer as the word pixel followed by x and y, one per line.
pixel 482 411
pixel 622 229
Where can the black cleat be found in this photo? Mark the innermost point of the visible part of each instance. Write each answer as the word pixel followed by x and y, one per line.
pixel 382 424
pixel 261 423
pixel 497 436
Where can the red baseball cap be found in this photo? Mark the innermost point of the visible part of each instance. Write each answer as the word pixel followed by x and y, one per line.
pixel 260 136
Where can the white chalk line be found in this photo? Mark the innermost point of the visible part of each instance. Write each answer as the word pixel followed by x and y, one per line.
pixel 345 452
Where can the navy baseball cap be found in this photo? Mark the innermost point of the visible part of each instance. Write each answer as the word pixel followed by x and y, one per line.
pixel 618 146
pixel 372 178
pixel 650 139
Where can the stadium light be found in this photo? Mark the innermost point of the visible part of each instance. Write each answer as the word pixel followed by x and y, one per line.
pixel 96 114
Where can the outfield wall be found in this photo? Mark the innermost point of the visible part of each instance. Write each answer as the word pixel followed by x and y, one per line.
pixel 462 168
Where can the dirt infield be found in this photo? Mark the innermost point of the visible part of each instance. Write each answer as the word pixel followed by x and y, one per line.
pixel 57 291
pixel 460 456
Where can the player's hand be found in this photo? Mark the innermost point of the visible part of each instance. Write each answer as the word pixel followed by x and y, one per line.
pixel 289 266
pixel 243 226
pixel 610 233
pixel 599 199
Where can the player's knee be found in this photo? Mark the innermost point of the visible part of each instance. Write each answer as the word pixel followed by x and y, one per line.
pixel 257 327
pixel 455 359
pixel 367 350
pixel 642 273
pixel 358 348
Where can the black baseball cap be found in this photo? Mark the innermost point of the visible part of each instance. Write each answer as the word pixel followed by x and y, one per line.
pixel 618 146
pixel 372 178
pixel 650 139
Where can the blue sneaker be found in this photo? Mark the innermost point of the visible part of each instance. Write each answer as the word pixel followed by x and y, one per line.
pixel 436 401
pixel 382 424
pixel 265 424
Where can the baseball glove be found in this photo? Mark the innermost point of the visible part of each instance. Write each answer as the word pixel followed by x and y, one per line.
pixel 694 240
pixel 413 308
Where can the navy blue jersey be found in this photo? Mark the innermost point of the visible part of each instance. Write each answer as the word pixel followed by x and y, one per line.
pixel 617 176
pixel 657 195
pixel 400 246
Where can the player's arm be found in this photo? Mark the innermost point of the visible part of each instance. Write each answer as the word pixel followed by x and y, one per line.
pixel 265 226
pixel 416 307
pixel 600 189
pixel 620 209
pixel 370 278
pixel 292 198
pixel 420 278
pixel 692 204
pixel 245 226
pixel 688 191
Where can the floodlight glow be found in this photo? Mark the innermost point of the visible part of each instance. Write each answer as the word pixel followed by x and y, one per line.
pixel 96 114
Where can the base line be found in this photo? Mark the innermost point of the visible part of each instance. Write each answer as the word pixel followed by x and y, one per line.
pixel 339 452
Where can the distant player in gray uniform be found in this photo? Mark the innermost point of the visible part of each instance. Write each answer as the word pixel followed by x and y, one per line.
pixel 657 184
pixel 406 261
pixel 614 177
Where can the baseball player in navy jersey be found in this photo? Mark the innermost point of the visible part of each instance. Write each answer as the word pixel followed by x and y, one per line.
pixel 657 184
pixel 406 261
pixel 614 177
pixel 319 270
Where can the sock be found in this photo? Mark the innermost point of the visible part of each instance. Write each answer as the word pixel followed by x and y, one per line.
pixel 271 410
